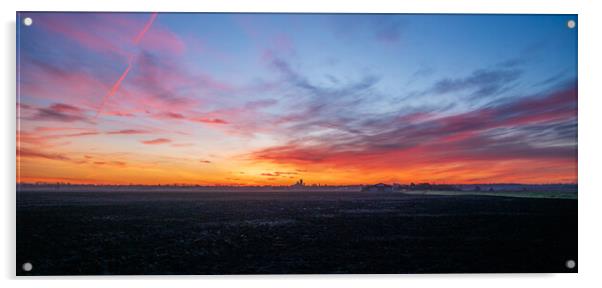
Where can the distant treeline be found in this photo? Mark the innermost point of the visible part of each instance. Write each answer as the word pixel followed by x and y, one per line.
pixel 428 186
pixel 63 186
pixel 67 184
pixel 489 187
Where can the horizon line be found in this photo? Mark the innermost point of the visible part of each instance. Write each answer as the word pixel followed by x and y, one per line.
pixel 292 185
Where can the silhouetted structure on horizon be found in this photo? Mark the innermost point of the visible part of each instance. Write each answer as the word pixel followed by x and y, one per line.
pixel 299 183
pixel 380 187
pixel 396 187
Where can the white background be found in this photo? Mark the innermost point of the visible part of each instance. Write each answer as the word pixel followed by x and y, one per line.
pixel 590 128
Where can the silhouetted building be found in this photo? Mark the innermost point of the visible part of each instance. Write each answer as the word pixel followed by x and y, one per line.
pixel 380 187
pixel 299 183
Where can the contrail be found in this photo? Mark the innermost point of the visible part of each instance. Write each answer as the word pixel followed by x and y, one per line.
pixel 149 23
pixel 117 83
pixel 115 86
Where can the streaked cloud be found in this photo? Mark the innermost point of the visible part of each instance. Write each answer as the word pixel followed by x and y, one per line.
pixel 156 141
pixel 127 132
pixel 62 113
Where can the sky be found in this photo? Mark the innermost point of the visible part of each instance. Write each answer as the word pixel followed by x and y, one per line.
pixel 267 99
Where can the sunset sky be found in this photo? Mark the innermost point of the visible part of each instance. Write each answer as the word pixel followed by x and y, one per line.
pixel 259 99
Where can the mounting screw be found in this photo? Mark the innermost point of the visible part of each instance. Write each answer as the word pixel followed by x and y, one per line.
pixel 27 267
pixel 571 24
pixel 570 264
pixel 27 21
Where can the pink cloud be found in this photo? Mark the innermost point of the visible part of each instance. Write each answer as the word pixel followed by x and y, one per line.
pixel 182 145
pixel 147 82
pixel 88 33
pixel 173 115
pixel 469 138
pixel 162 40
pixel 46 81
pixel 61 113
pixel 113 33
pixel 278 174
pixel 179 116
pixel 210 120
pixel 156 141
pixel 30 153
pixel 127 132
pixel 110 163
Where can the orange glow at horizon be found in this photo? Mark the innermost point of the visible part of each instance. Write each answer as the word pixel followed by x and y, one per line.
pixel 106 171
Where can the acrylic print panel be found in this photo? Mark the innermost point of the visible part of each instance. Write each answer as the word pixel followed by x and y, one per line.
pixel 208 143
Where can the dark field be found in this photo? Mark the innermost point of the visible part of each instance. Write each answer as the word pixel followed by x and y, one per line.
pixel 76 233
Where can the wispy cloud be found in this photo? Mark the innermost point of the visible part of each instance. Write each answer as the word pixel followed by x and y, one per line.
pixel 127 132
pixel 493 133
pixel 278 174
pixel 110 163
pixel 30 153
pixel 62 113
pixel 386 29
pixel 156 141
pixel 210 120
pixel 480 83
